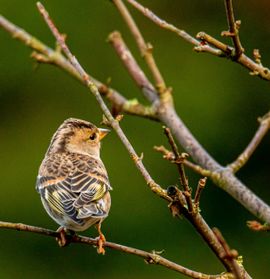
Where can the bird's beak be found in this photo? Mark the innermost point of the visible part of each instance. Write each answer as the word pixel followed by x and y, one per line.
pixel 103 133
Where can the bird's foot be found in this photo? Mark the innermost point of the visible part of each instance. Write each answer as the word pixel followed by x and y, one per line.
pixel 100 243
pixel 64 238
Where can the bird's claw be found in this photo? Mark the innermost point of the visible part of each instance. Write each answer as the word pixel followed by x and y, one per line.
pixel 62 238
pixel 100 243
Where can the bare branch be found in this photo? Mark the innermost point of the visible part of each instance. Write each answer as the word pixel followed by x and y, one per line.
pixel 94 90
pixel 258 227
pixel 168 155
pixel 45 54
pixel 178 207
pixel 151 258
pixel 256 140
pixel 145 48
pixel 179 158
pixel 182 204
pixel 198 192
pixel 205 38
pixel 198 169
pixel 230 254
pixel 233 29
pixel 130 63
pixel 213 48
pixel 165 25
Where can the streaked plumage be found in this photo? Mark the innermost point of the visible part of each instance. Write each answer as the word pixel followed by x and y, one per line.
pixel 72 180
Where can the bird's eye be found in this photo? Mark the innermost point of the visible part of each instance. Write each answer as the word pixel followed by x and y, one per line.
pixel 93 136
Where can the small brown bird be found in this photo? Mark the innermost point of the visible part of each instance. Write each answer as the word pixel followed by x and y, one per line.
pixel 72 180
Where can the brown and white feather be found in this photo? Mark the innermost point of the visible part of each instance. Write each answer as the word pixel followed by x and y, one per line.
pixel 72 180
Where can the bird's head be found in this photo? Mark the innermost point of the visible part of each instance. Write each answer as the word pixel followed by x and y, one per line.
pixel 78 136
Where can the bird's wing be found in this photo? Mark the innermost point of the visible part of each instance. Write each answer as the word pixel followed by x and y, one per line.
pixel 75 187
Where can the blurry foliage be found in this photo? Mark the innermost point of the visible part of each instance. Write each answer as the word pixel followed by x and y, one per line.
pixel 218 100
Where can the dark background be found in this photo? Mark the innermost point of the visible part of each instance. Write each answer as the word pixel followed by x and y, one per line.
pixel 217 99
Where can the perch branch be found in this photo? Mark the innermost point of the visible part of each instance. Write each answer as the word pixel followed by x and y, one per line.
pixel 145 48
pixel 45 54
pixel 256 140
pixel 94 90
pixel 151 258
pixel 202 46
pixel 233 29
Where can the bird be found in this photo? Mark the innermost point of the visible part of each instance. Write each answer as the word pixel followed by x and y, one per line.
pixel 73 182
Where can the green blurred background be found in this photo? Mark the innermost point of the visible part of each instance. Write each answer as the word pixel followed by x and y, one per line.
pixel 218 100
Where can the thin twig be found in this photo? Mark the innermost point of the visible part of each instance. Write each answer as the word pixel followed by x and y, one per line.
pixel 168 155
pixel 229 254
pixel 256 140
pixel 198 192
pixel 165 25
pixel 45 54
pixel 204 37
pixel 198 169
pixel 130 63
pixel 145 48
pixel 178 207
pixel 258 227
pixel 213 49
pixel 233 29
pixel 94 90
pixel 179 162
pixel 151 258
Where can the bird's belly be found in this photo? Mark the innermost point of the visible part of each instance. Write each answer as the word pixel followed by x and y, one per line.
pixel 71 225
pixel 68 223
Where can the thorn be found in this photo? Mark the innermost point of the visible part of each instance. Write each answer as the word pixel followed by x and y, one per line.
pixel 119 117
pixel 257 226
pixel 227 34
pixel 108 81
pixel 149 47
pixel 237 24
pixel 257 56
pixel 254 73
pixel 105 121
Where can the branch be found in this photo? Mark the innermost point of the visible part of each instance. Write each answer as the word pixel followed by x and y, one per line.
pixel 179 162
pixel 131 64
pixel 233 29
pixel 258 227
pixel 178 207
pixel 145 48
pixel 157 189
pixel 196 168
pixel 167 26
pixel 44 54
pixel 256 140
pixel 197 197
pixel 230 254
pixel 202 46
pixel 182 203
pixel 150 258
